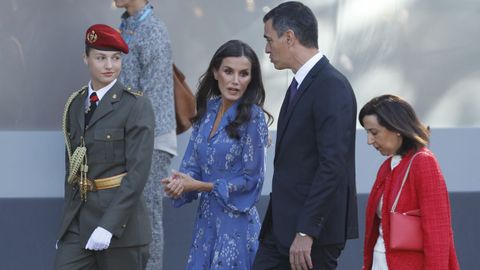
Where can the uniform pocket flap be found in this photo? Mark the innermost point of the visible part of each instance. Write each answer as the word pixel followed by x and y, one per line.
pixel 109 134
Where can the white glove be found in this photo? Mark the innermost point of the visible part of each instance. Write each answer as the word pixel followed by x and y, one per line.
pixel 99 240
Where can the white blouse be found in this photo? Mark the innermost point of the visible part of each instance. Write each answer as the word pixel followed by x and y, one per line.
pixel 379 258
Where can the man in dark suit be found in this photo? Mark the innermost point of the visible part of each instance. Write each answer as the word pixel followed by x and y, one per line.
pixel 313 206
pixel 109 137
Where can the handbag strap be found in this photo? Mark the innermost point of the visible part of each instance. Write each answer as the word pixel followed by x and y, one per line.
pixel 394 206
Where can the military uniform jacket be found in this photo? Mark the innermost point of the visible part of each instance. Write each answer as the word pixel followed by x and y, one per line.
pixel 119 139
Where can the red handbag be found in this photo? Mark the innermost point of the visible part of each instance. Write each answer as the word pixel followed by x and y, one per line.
pixel 405 228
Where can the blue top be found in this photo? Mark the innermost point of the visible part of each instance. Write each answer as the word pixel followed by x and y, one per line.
pixel 227 223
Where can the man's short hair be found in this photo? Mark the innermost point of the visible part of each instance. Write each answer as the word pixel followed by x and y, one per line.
pixel 297 17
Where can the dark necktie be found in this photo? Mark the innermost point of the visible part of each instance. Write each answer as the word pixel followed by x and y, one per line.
pixel 91 109
pixel 292 89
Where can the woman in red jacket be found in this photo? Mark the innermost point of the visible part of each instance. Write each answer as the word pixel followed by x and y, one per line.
pixel 395 131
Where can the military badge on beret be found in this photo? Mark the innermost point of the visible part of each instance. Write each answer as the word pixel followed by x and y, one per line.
pixel 92 37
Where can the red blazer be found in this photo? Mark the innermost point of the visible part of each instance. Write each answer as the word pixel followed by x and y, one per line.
pixel 424 189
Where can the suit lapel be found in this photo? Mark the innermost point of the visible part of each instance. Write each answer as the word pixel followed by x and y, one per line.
pixel 281 121
pixel 105 105
pixel 287 110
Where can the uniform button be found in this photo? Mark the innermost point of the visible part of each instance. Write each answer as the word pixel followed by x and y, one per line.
pixel 108 136
pixel 124 225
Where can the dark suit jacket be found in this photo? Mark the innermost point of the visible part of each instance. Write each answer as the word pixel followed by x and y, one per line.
pixel 119 139
pixel 314 167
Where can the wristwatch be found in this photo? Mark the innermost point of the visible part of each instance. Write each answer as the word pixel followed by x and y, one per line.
pixel 302 234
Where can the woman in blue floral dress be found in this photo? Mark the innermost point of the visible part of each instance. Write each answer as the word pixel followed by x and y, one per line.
pixel 224 162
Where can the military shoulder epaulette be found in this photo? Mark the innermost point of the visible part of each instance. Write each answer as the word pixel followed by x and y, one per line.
pixel 79 92
pixel 82 90
pixel 134 92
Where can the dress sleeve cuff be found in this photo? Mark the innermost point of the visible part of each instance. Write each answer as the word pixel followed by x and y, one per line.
pixel 220 189
pixel 184 199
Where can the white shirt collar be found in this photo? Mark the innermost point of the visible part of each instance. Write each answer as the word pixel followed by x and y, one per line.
pixel 395 161
pixel 303 70
pixel 100 92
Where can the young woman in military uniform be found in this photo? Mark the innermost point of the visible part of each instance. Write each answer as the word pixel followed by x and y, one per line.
pixel 109 139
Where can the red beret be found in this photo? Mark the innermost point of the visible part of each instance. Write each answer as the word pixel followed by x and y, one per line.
pixel 104 37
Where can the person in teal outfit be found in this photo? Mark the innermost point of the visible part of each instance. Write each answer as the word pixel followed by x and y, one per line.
pixel 224 163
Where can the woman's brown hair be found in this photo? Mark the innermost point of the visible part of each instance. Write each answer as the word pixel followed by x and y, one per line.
pixel 396 115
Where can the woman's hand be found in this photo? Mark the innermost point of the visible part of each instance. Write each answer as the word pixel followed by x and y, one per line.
pixel 188 183
pixel 178 183
pixel 173 187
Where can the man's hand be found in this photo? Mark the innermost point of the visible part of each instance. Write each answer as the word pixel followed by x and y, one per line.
pixel 300 251
pixel 99 240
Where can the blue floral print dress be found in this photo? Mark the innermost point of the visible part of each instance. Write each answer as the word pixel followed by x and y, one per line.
pixel 227 223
